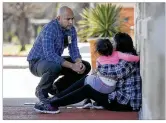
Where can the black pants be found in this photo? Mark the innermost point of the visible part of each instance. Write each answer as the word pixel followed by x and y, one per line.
pixel 70 76
pixel 49 71
pixel 78 92
pixel 73 87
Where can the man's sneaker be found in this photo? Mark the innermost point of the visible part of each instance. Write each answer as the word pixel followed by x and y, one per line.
pixel 87 104
pixel 46 108
pixel 95 105
pixel 40 95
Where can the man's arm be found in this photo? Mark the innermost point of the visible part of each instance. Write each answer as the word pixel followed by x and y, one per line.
pixel 78 60
pixel 48 40
pixel 73 47
pixel 75 67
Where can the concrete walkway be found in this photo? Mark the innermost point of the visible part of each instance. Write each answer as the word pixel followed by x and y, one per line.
pixel 27 113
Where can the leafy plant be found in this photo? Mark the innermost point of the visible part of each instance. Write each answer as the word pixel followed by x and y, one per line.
pixel 101 21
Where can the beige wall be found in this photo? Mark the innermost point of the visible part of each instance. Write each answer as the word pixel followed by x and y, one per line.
pixel 150 41
pixel 128 13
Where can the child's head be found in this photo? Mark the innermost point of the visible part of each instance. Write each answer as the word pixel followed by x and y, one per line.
pixel 104 47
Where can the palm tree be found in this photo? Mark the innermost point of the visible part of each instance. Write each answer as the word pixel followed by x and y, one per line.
pixel 101 21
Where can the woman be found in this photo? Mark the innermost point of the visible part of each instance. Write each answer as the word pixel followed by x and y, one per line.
pixel 126 96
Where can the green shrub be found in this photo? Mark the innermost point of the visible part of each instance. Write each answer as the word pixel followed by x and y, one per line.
pixel 101 21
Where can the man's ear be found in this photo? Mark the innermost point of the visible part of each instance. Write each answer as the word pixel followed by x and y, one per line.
pixel 58 17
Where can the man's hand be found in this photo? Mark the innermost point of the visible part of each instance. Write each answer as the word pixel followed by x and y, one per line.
pixel 76 67
pixel 82 68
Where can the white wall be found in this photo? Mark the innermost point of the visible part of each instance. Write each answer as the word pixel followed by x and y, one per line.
pixel 150 41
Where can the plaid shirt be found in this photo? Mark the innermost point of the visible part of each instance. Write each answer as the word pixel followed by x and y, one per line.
pixel 128 87
pixel 49 44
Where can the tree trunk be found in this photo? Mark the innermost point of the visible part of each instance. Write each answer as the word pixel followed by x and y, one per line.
pixel 23 31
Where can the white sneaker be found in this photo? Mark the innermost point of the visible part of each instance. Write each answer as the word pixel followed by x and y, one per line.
pixel 96 106
pixel 87 104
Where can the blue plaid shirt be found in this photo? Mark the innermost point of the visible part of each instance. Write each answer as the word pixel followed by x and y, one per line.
pixel 128 87
pixel 49 44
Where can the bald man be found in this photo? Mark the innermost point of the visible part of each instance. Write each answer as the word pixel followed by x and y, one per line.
pixel 45 58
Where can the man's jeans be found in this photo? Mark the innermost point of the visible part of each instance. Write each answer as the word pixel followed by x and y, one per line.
pixel 49 71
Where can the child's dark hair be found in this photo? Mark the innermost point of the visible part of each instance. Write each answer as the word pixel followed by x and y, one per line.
pixel 124 43
pixel 104 47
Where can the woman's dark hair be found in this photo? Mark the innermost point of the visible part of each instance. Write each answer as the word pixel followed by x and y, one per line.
pixel 104 47
pixel 124 43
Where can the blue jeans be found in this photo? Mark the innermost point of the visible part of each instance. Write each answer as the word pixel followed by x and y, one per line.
pixel 49 71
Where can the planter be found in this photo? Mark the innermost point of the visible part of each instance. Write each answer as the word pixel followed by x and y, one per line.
pixel 94 55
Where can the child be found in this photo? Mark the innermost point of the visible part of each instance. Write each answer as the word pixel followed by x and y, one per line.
pixel 108 55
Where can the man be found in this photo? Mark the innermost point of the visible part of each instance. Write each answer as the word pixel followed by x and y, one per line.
pixel 45 58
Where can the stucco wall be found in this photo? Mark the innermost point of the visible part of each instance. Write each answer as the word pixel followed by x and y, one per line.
pixel 150 41
pixel 128 13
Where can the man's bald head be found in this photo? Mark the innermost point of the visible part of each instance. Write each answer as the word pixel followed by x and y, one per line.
pixel 64 10
pixel 65 17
